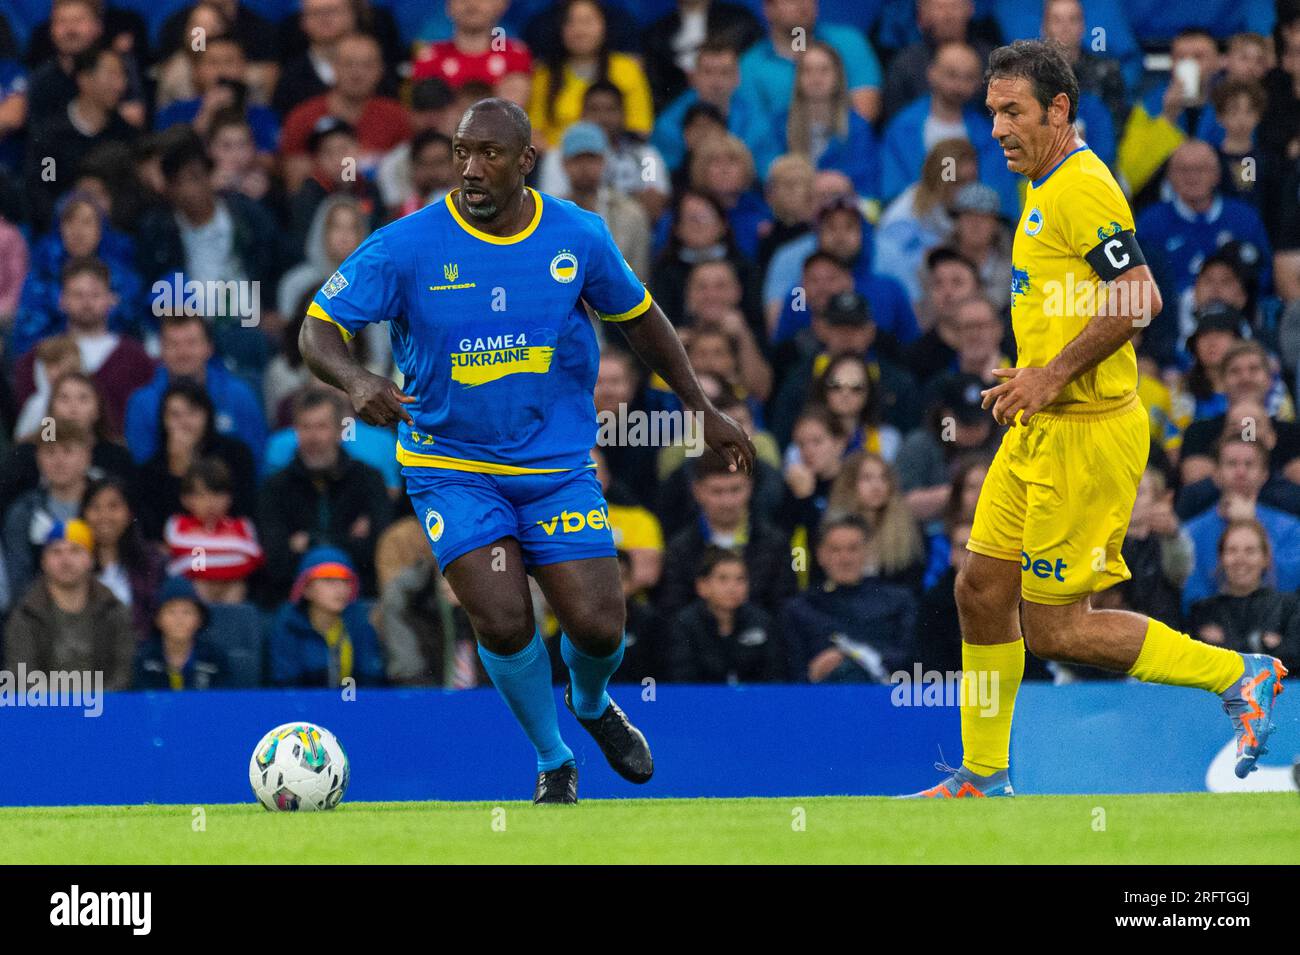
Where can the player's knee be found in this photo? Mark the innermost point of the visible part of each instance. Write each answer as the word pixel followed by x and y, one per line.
pixel 977 596
pixel 503 630
pixel 597 631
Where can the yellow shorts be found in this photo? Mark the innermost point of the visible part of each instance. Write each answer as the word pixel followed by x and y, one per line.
pixel 1059 496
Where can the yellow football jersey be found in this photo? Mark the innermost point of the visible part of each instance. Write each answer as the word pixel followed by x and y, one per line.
pixel 1075 220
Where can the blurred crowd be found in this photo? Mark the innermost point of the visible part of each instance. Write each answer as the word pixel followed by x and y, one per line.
pixel 811 192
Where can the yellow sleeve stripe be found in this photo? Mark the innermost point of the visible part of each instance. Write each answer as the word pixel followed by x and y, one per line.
pixel 315 311
pixel 639 309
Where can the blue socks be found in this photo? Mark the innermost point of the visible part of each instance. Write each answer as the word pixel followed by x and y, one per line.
pixel 524 681
pixel 589 676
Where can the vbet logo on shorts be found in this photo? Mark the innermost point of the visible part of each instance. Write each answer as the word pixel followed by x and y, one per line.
pixel 571 522
pixel 564 267
pixel 1034 222
pixel 434 525
pixel 1042 567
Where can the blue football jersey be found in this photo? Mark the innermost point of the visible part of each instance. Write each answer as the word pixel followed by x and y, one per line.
pixel 490 332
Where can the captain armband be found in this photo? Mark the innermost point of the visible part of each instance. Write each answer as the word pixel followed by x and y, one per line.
pixel 1115 255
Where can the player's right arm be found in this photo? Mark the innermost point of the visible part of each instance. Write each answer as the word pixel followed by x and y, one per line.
pixel 363 290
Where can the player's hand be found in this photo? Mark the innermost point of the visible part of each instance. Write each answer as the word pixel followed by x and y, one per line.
pixel 378 401
pixel 1025 392
pixel 725 436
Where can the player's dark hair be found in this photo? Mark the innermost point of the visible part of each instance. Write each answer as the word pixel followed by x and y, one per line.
pixel 1043 63
pixel 514 115
pixel 713 558
pixel 210 473
pixel 85 265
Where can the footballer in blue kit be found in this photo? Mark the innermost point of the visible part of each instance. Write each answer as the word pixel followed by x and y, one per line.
pixel 487 296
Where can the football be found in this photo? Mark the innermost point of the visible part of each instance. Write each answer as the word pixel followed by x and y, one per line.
pixel 298 767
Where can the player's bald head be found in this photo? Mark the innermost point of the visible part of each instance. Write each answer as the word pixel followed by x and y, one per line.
pixel 499 120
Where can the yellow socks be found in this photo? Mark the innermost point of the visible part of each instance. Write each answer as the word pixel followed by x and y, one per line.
pixel 986 726
pixel 1176 659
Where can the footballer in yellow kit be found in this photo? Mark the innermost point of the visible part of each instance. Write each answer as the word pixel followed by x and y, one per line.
pixel 1056 504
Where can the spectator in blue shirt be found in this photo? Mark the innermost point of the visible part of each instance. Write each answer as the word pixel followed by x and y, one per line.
pixel 767 68
pixel 219 76
pixel 187 352
pixel 715 79
pixel 822 126
pixel 939 22
pixel 1241 472
pixel 946 113
pixel 1180 233
pixel 323 636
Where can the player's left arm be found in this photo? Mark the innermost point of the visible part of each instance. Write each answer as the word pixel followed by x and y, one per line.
pixel 617 295
pixel 1132 300
pixel 655 340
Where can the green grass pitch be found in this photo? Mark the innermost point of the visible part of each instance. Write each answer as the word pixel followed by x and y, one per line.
pixel 1189 828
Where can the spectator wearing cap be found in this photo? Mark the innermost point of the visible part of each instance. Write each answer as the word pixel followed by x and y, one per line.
pixel 379 122
pixel 583 56
pixel 177 655
pixel 844 233
pixel 767 69
pixel 950 280
pixel 946 112
pixel 939 22
pixel 584 149
pixel 675 44
pixel 920 218
pixel 477 52
pixel 333 146
pixel 633 167
pixel 715 80
pixel 1247 613
pixel 956 425
pixel 1241 474
pixel 822 126
pixel 1181 232
pixel 844 326
pixel 63 459
pixel 1218 328
pixel 323 636
pixel 66 619
pixel 980 234
pixel 432 111
pixel 221 83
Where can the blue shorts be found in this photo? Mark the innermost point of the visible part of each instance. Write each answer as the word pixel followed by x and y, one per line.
pixel 555 517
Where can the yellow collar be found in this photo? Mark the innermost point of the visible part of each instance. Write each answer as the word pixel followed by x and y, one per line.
pixel 497 239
